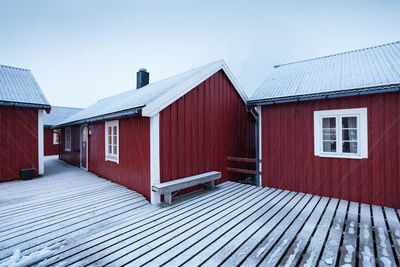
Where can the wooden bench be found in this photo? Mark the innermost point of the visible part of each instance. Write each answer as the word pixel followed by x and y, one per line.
pixel 167 188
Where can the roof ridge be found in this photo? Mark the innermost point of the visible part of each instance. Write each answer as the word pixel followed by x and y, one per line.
pixel 12 67
pixel 65 107
pixel 334 55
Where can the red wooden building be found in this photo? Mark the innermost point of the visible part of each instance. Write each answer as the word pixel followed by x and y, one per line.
pixel 184 125
pixel 22 106
pixel 330 126
pixel 51 136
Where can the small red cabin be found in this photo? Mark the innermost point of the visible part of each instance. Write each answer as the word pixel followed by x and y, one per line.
pixel 22 106
pixel 51 135
pixel 181 126
pixel 330 126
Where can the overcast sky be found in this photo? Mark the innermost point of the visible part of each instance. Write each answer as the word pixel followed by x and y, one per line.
pixel 81 51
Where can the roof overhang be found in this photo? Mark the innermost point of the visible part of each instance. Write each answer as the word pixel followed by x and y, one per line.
pixel 26 105
pixel 171 96
pixel 326 95
pixel 115 115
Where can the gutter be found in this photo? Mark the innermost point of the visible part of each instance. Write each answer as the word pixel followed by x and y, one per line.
pixel 254 112
pixel 26 105
pixel 327 95
pixel 118 114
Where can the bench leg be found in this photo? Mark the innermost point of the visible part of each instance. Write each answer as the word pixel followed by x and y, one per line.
pixel 210 185
pixel 168 199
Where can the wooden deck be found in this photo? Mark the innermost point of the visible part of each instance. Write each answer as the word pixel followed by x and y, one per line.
pixel 235 224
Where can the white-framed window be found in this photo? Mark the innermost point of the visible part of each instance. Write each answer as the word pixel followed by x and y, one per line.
pixel 68 139
pixel 112 141
pixel 56 137
pixel 341 133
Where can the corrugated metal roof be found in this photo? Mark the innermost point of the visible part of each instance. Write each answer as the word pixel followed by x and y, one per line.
pixel 153 96
pixel 59 114
pixel 19 86
pixel 365 68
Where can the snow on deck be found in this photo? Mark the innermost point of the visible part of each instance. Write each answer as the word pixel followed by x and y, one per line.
pixel 73 218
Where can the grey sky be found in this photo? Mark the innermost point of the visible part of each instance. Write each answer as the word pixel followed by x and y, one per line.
pixel 81 51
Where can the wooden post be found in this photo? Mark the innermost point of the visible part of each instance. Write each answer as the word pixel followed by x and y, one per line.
pixel 168 198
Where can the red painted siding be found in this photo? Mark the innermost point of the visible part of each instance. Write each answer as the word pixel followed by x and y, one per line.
pixel 202 128
pixel 133 170
pixel 73 156
pixel 49 147
pixel 18 141
pixel 288 151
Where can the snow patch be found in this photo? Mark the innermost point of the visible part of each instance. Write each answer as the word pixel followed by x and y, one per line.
pixel 365 232
pixel 351 228
pixel 385 261
pixel 37 256
pixel 261 250
pixel 367 256
pixel 397 233
pixel 310 259
pixel 349 253
pixel 329 258
pixel 293 255
pixel 17 261
pixel 277 251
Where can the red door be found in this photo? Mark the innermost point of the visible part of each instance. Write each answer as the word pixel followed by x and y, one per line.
pixel 84 148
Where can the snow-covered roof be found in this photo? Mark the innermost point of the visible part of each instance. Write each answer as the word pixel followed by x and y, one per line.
pixel 360 69
pixel 153 97
pixel 58 115
pixel 19 87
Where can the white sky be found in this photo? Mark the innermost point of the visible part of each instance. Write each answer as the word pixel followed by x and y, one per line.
pixel 82 51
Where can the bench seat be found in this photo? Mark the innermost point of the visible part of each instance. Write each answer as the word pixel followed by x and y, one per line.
pixel 167 188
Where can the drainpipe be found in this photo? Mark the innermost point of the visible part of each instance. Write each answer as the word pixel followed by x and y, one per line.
pixel 255 114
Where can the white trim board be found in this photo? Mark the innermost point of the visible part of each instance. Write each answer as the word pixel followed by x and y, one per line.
pixel 259 110
pixel 40 142
pixel 154 107
pixel 154 157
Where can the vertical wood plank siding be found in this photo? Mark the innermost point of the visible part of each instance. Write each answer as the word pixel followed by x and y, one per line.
pixel 49 147
pixel 133 170
pixel 202 128
pixel 18 141
pixel 288 151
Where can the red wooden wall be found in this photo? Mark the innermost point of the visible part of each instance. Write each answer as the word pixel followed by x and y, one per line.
pixel 288 151
pixel 202 128
pixel 18 141
pixel 133 170
pixel 73 156
pixel 49 147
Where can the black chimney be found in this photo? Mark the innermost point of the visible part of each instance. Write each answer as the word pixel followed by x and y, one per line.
pixel 142 78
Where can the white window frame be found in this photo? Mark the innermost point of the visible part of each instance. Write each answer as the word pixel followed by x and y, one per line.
pixel 111 156
pixel 56 135
pixel 68 139
pixel 362 132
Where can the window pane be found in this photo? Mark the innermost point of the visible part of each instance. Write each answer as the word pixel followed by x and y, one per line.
pixel 109 149
pixel 115 130
pixel 329 134
pixel 328 123
pixel 115 150
pixel 350 147
pixel 329 146
pixel 109 131
pixel 350 135
pixel 349 122
pixel 109 139
pixel 115 140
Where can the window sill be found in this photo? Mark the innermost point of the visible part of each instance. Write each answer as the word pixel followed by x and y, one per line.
pixel 112 158
pixel 340 156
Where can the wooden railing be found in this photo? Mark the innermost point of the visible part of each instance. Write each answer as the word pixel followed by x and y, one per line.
pixel 240 170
